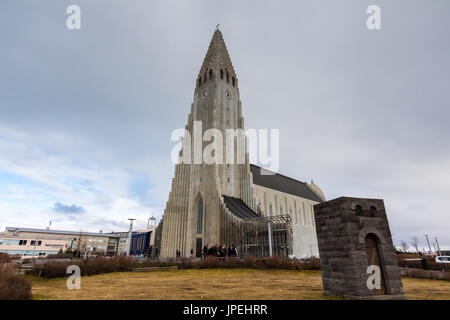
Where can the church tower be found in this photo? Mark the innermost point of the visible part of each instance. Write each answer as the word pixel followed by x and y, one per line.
pixel 195 213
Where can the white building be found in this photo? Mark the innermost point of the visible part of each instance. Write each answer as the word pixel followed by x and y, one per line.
pixel 29 242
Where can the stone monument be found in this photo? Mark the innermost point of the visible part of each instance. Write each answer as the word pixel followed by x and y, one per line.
pixel 357 256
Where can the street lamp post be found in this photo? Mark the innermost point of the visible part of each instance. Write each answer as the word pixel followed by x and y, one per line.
pixel 437 244
pixel 151 222
pixel 428 241
pixel 269 230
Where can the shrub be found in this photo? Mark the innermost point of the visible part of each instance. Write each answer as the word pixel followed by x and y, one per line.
pixel 5 258
pixel 211 262
pixel 187 263
pixel 60 256
pixel 11 286
pixel 90 266
pixel 99 265
pixel 275 262
pixel 232 262
pixel 249 262
pixel 166 264
pixel 312 263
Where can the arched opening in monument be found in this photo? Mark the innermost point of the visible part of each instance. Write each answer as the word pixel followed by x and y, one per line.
pixel 210 74
pixel 358 210
pixel 373 211
pixel 373 258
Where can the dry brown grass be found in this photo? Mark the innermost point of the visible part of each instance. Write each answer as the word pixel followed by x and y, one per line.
pixel 232 284
pixel 426 289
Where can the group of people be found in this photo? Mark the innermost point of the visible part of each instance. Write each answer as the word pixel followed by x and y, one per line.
pixel 219 251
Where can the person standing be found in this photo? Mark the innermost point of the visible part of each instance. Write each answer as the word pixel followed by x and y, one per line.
pixel 205 251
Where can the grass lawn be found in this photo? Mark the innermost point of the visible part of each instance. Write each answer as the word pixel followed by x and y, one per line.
pixel 233 284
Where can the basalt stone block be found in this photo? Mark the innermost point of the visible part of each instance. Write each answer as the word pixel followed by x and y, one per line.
pixel 356 237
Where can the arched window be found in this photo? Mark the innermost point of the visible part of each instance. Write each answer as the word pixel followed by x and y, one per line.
pixel 232 80
pixel 373 211
pixel 200 216
pixel 270 209
pixel 290 212
pixel 300 215
pixel 210 74
pixel 221 73
pixel 358 210
pixel 200 81
pixel 281 210
pixel 228 78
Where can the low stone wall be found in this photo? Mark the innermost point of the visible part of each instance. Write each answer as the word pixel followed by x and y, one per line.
pixel 424 274
pixel 148 269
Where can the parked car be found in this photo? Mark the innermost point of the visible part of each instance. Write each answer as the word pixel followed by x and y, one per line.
pixel 443 259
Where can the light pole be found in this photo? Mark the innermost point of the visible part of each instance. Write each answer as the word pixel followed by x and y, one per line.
pixel 129 235
pixel 428 241
pixel 151 222
pixel 270 238
pixel 439 249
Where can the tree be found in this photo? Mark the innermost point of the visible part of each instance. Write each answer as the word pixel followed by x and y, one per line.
pixel 415 243
pixel 404 246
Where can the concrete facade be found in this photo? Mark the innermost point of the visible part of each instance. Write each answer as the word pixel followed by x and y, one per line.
pixel 216 106
pixel 346 228
pixel 274 202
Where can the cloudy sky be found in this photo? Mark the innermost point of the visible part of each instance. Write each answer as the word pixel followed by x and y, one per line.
pixel 86 115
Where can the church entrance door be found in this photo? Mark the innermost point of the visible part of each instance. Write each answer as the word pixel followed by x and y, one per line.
pixel 198 247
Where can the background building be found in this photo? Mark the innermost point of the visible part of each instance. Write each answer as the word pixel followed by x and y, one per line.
pixel 28 242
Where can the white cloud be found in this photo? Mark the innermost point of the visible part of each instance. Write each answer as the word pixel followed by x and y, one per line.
pixel 103 193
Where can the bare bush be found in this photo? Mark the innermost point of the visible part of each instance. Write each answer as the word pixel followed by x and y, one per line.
pixel 4 258
pixel 90 266
pixel 11 286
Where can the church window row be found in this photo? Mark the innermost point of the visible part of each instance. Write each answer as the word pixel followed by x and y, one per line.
pixel 211 75
pixel 303 216
pixel 200 216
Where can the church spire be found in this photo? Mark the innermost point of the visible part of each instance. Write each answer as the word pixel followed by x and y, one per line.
pixel 217 59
